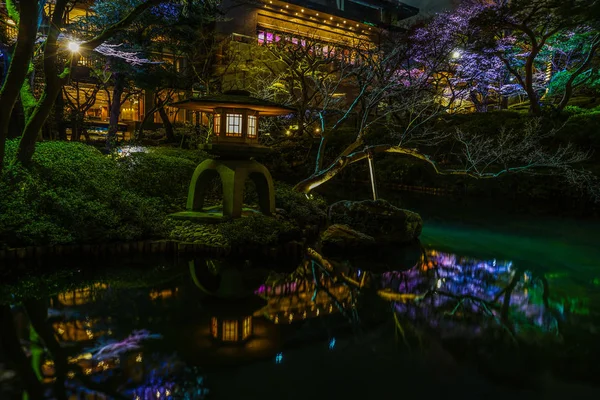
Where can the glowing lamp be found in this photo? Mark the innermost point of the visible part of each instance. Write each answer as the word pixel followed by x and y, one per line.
pixel 73 47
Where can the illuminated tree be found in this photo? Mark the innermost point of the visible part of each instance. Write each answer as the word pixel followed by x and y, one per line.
pixel 521 32
pixel 56 59
pixel 398 95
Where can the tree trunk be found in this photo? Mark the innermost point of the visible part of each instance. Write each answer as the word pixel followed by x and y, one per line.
pixel 167 124
pixel 11 345
pixel 59 115
pixel 534 104
pixel 54 82
pixel 75 133
pixel 115 111
pixel 140 132
pixel 18 67
pixel 34 125
pixel 571 82
pixel 37 312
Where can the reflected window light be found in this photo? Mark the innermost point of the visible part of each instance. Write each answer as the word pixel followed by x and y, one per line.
pixel 214 327
pixel 247 328
pixel 332 344
pixel 278 358
pixel 230 331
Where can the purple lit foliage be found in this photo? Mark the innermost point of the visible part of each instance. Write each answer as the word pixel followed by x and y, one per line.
pixel 448 46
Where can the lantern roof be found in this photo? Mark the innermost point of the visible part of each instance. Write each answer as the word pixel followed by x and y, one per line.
pixel 233 99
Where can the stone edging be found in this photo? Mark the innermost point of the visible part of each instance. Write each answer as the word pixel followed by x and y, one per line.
pixel 144 247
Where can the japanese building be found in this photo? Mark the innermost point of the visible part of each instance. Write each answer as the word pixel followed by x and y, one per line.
pixel 330 27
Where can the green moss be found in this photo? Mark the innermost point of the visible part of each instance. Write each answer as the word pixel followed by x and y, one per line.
pixel 27 99
pixel 258 230
pixel 11 8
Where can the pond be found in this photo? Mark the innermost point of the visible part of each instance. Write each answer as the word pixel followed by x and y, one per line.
pixel 494 305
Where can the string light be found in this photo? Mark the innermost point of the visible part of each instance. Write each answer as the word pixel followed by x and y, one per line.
pixel 302 10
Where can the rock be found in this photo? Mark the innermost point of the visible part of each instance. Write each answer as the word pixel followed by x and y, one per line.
pixel 386 223
pixel 342 237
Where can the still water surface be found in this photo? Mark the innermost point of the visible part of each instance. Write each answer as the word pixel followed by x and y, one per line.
pixel 496 306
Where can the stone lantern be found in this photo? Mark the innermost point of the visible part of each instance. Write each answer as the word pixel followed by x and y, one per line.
pixel 231 306
pixel 235 117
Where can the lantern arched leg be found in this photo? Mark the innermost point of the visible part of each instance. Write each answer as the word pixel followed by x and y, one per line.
pixel 203 174
pixel 233 175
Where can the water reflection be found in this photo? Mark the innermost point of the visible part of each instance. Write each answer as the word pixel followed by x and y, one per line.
pixel 140 340
pixel 454 293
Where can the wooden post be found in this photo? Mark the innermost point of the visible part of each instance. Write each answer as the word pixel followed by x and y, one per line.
pixel 372 174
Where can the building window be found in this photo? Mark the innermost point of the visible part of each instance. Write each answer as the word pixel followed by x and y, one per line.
pixel 251 126
pixel 247 327
pixel 217 124
pixel 214 328
pixel 234 125
pixel 230 331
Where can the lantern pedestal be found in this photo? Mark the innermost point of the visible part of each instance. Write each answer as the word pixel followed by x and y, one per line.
pixel 233 174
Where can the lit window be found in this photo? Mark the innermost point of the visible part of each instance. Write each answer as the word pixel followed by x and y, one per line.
pixel 230 331
pixel 217 123
pixel 234 125
pixel 247 327
pixel 261 37
pixel 214 328
pixel 269 37
pixel 251 126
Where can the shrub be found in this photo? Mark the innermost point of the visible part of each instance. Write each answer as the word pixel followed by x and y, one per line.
pixel 156 174
pixel 583 130
pixel 302 210
pixel 72 194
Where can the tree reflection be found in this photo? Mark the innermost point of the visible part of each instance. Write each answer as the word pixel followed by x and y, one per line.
pixel 86 342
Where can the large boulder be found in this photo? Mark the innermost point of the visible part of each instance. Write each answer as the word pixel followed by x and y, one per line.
pixel 386 223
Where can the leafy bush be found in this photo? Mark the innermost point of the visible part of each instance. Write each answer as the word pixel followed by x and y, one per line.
pixel 164 174
pixel 72 194
pixel 302 210
pixel 582 129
